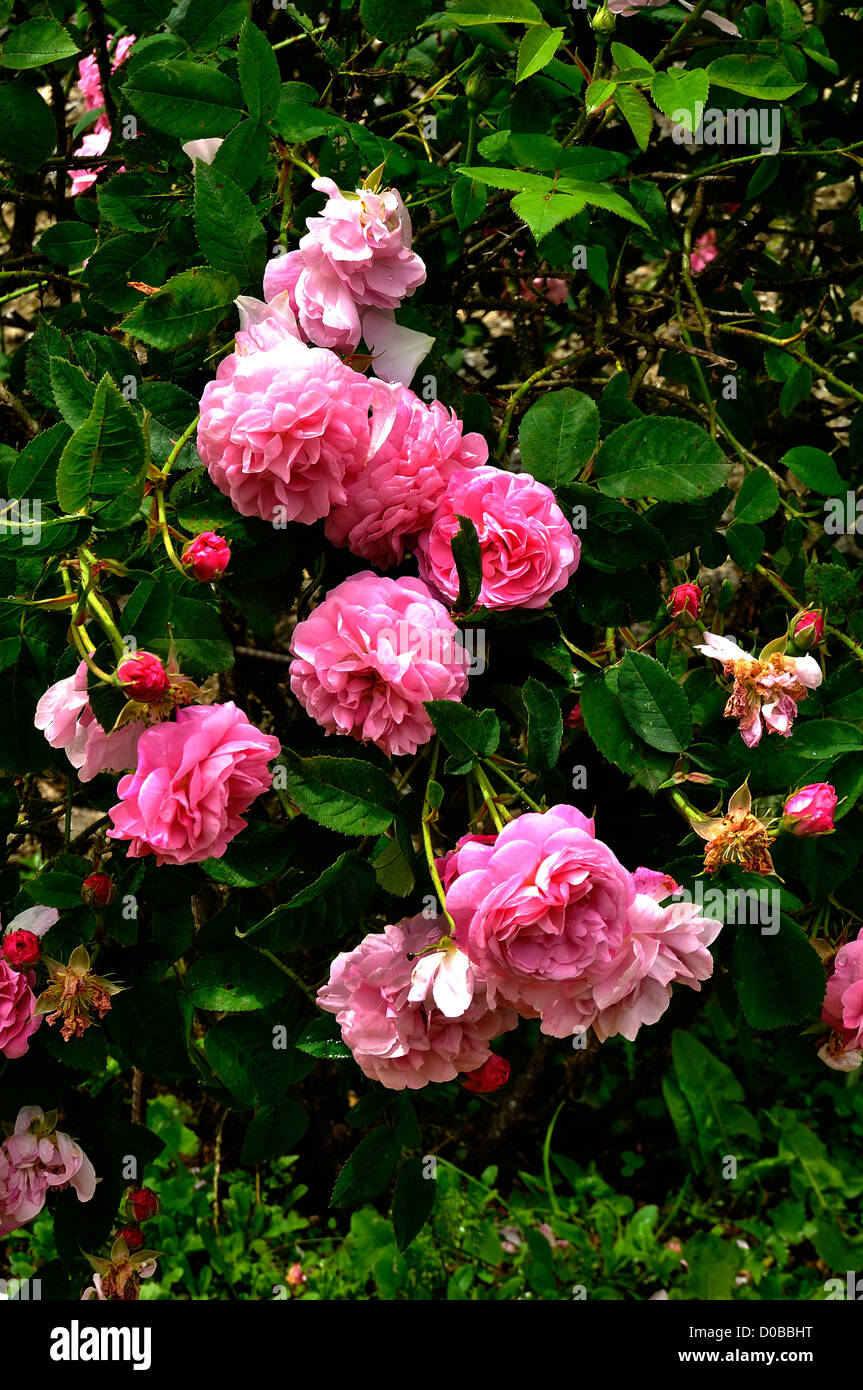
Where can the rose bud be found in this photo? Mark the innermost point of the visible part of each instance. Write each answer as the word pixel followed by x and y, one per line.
pixel 144 677
pixel 575 718
pixel 807 629
pixel 133 1236
pixel 295 1276
pixel 21 948
pixel 810 811
pixel 98 890
pixel 207 557
pixel 489 1077
pixel 684 599
pixel 144 1203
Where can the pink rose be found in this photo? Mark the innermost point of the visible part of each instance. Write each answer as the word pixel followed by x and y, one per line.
pixel 21 948
pixel 369 656
pixel 703 252
pixel 17 1002
pixel 810 811
pixel 662 946
pixel 89 80
pixel 529 550
pixel 391 499
pixel 39 1157
pixel 207 556
pixel 843 1002
pixel 357 253
pixel 541 912
pixel 684 599
pixel 281 426
pixel 766 693
pixel 144 677
pixel 195 777
pixel 94 143
pixel 395 1040
pixel 64 716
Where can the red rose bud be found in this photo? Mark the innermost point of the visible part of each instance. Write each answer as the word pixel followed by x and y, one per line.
pixel 207 556
pixel 133 1236
pixel 684 599
pixel 144 1203
pixel 21 948
pixel 98 890
pixel 144 677
pixel 810 811
pixel 575 718
pixel 807 629
pixel 295 1276
pixel 489 1077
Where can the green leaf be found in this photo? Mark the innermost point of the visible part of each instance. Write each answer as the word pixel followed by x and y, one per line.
pixel 27 130
pixel 558 436
pixel 243 154
pixel 745 544
pixel 345 794
pixel 625 57
pixel 610 730
pixel 712 1264
pixel 654 703
pixel 46 343
pixel 207 23
pixel 68 243
pixel 714 1096
pixel 754 76
pixel 229 231
pixel 103 466
pixel 368 1170
pixel 273 1131
pixel 615 537
pixel 323 1039
pixel 779 979
pixel 186 309
pixel 636 111
pixel 599 92
pixel 467 554
pixel 514 180
pixel 185 99
pixel 758 498
pixel 393 23
pixel 260 79
pixel 544 725
pixel 234 981
pixel 250 1055
pixel 468 202
pixel 681 95
pixel 536 50
pixel 544 211
pixel 74 393
pixel 324 910
pixel 825 738
pixel 816 469
pixel 662 457
pixel 467 735
pixel 413 1201
pixel 257 856
pixel 466 13
pixel 298 122
pixel 198 638
pixel 36 43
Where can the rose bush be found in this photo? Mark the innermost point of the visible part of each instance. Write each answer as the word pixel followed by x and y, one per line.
pixel 431 639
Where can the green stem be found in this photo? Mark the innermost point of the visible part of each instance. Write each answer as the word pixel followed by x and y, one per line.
pixel 291 974
pixel 96 606
pixel 175 452
pixel 490 795
pixel 680 34
pixel 428 812
pixel 512 783
pixel 166 534
pixel 517 395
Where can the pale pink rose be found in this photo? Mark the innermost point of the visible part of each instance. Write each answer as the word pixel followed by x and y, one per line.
pixel 529 550
pixel 662 946
pixel 445 979
pixel 17 1002
pixel 624 8
pixel 281 275
pixel 194 779
pixel 541 912
pixel 205 150
pixel 264 325
pixel 843 1002
pixel 369 656
pixel 703 252
pixel 89 80
pixel 280 427
pixel 396 351
pixel 766 693
pixel 64 715
pixel 39 1158
pixel 10 1194
pixel 654 884
pixel 37 920
pixel 810 811
pixel 391 498
pixel 326 310
pixel 400 1041
pixel 549 287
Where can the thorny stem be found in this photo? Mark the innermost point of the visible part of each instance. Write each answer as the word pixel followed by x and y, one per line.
pixel 166 534
pixel 175 452
pixel 428 813
pixel 490 795
pixel 95 604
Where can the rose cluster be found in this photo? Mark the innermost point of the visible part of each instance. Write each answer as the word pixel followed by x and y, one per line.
pixel 290 431
pixel 35 1157
pixel 547 924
